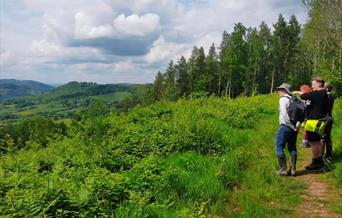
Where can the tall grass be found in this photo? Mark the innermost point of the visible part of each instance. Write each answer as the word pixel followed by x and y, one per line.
pixel 337 141
pixel 193 158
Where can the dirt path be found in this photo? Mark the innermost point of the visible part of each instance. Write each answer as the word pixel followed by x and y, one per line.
pixel 320 196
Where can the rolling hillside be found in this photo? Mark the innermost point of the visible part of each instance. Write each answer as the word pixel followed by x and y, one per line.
pixel 10 88
pixel 65 100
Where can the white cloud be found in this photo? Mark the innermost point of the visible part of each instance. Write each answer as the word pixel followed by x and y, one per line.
pixel 86 28
pixel 44 47
pixel 124 66
pixel 164 51
pixel 119 40
pixel 6 57
pixel 136 25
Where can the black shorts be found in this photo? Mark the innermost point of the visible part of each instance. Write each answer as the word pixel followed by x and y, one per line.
pixel 314 137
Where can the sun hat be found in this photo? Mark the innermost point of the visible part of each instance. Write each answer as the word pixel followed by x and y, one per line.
pixel 286 87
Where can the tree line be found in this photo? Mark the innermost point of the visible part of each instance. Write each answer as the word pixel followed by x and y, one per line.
pixel 252 61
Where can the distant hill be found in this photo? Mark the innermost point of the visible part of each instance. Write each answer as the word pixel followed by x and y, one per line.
pixel 64 100
pixel 55 85
pixel 79 89
pixel 11 88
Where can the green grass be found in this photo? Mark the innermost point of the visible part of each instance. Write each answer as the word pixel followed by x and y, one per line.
pixel 336 174
pixel 210 157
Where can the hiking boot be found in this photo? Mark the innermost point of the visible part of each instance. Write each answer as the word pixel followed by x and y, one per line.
pixel 320 162
pixel 292 170
pixel 316 164
pixel 312 165
pixel 282 165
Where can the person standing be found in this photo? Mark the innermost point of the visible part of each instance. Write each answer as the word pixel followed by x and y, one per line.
pixel 327 138
pixel 318 110
pixel 305 89
pixel 287 133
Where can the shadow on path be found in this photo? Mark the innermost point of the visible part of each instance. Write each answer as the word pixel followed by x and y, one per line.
pixel 307 172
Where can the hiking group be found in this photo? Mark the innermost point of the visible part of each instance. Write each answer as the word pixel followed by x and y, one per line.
pixel 311 111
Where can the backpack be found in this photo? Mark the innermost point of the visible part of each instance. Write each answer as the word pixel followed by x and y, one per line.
pixel 296 110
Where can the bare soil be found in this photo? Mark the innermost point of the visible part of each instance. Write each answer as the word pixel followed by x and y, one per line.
pixel 320 195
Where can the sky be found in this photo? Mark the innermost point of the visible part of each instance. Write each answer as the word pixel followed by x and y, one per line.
pixel 118 41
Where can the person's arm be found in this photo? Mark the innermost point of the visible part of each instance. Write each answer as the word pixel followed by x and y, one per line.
pixel 306 96
pixel 297 92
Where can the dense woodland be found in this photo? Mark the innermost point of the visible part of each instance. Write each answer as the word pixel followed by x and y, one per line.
pixel 252 61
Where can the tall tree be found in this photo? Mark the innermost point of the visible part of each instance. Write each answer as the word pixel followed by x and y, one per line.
pixel 255 50
pixel 294 30
pixel 264 79
pixel 323 37
pixel 158 86
pixel 170 92
pixel 212 69
pixel 192 69
pixel 254 61
pixel 279 52
pixel 182 77
pixel 237 59
pixel 197 69
pixel 225 67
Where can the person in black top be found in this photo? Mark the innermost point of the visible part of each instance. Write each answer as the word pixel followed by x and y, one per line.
pixel 327 138
pixel 318 100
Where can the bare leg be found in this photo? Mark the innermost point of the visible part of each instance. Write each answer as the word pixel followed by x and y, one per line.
pixel 317 149
pixel 321 149
pixel 317 153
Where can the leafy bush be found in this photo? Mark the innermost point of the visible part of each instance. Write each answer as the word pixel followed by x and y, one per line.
pixel 182 159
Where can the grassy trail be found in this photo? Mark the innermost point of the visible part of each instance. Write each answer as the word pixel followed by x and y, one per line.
pixel 310 193
pixel 321 197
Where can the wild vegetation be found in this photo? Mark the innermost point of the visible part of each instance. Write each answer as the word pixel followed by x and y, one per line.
pixel 200 157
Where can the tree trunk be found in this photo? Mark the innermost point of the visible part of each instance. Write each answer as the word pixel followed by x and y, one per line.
pixel 339 66
pixel 272 82
pixel 254 81
pixel 219 85
pixel 230 88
